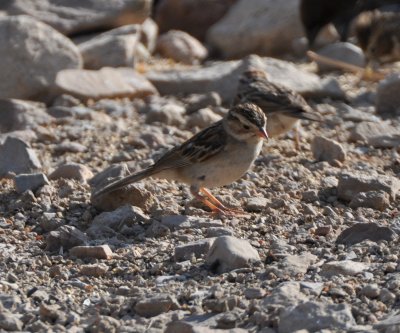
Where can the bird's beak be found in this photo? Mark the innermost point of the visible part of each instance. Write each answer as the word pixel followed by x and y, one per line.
pixel 263 133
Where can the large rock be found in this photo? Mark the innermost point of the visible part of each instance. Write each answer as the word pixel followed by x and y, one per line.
pixel 104 83
pixel 342 51
pixel 228 253
pixel 350 184
pixel 16 156
pixel 363 231
pixel 378 135
pixel 192 16
pixel 343 267
pixel 155 305
pixel 266 27
pixel 284 295
pixel 329 150
pixel 76 16
pixel 388 97
pixel 181 47
pixel 313 316
pixel 32 57
pixel 222 77
pixel 25 182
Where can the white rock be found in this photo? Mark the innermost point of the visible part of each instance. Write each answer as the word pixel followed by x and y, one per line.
pixel 167 114
pixel 181 47
pixel 342 51
pixel 32 57
pixel 203 118
pixel 229 253
pixel 387 95
pixel 72 171
pixel 329 150
pixel 313 317
pixel 378 135
pixel 344 267
pixel 286 294
pixel 25 182
pixel 264 27
pixel 297 264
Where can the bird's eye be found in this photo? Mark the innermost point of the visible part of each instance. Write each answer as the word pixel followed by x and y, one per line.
pixel 246 127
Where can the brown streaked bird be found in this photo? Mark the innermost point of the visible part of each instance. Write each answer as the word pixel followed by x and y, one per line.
pixel 378 34
pixel 282 106
pixel 216 156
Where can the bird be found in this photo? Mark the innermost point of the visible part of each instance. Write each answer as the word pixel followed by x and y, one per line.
pixel 282 106
pixel 214 157
pixel 315 14
pixel 378 34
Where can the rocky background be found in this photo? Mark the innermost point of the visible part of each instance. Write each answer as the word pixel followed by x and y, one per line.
pixel 97 89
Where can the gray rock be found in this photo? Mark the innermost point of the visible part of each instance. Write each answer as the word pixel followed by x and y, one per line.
pixel 387 96
pixel 222 77
pixel 342 51
pixel 111 51
pixel 294 265
pixel 378 200
pixel 378 135
pixel 10 321
pixel 153 306
pixel 181 47
pixel 72 170
pixel 98 252
pixel 371 290
pixel 344 267
pixel 203 118
pixel 66 237
pixel 32 58
pixel 286 294
pixel 329 150
pixel 25 182
pixel 188 327
pixel 363 231
pixel 166 113
pixel 229 253
pixel 176 222
pixel 98 14
pixel 197 249
pixel 18 115
pixel 93 270
pixel 219 231
pixel 313 316
pixel 104 83
pixel 196 102
pixel 390 324
pixel 157 229
pixel 254 293
pixel 69 147
pixel 256 204
pixel 266 27
pixel 350 184
pixel 27 136
pixel 16 156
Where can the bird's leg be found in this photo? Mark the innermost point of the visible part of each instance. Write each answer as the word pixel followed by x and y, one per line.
pixel 219 204
pixel 204 200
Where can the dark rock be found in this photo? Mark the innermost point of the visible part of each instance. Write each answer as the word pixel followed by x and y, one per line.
pixel 363 231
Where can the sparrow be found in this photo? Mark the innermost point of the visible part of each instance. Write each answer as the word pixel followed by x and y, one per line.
pixel 283 106
pixel 216 156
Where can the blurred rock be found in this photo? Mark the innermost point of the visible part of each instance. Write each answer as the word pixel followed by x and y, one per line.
pixel 388 325
pixel 329 150
pixel 10 322
pixel 25 182
pixel 350 184
pixel 32 57
pixel 27 136
pixel 256 204
pixel 69 147
pixel 148 34
pixel 93 270
pixel 16 156
pixel 111 51
pixel 192 16
pixel 66 236
pixel 342 51
pixel 153 306
pixel 228 253
pixel 197 249
pixel 19 115
pixel 316 316
pixel 378 135
pixel 294 265
pixel 193 327
pixel 344 267
pixel 98 252
pixel 72 170
pixel 388 97
pixel 181 47
pixel 363 231
pixel 284 295
pixel 104 83
pixel 167 113
pixel 267 27
pixel 176 222
pixel 222 77
pixel 92 15
pixel 378 200
pixel 195 102
pixel 203 118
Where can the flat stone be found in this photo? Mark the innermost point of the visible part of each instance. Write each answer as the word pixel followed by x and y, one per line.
pixel 10 321
pixel 25 182
pixel 350 184
pixel 313 317
pixel 371 290
pixel 104 83
pixel 197 249
pixel 229 253
pixel 32 58
pixel 66 236
pixel 254 293
pixel 256 204
pixel 344 267
pixel 16 156
pixel 363 231
pixel 176 222
pixel 378 200
pixel 72 170
pixel 284 295
pixel 387 96
pixel 203 118
pixel 329 150
pixel 187 327
pixel 342 51
pixel 94 270
pixel 98 252
pixel 92 15
pixel 297 264
pixel 155 305
pixel 377 135
pixel 388 324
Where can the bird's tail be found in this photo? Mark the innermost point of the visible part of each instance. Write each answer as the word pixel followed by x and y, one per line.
pixel 125 181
